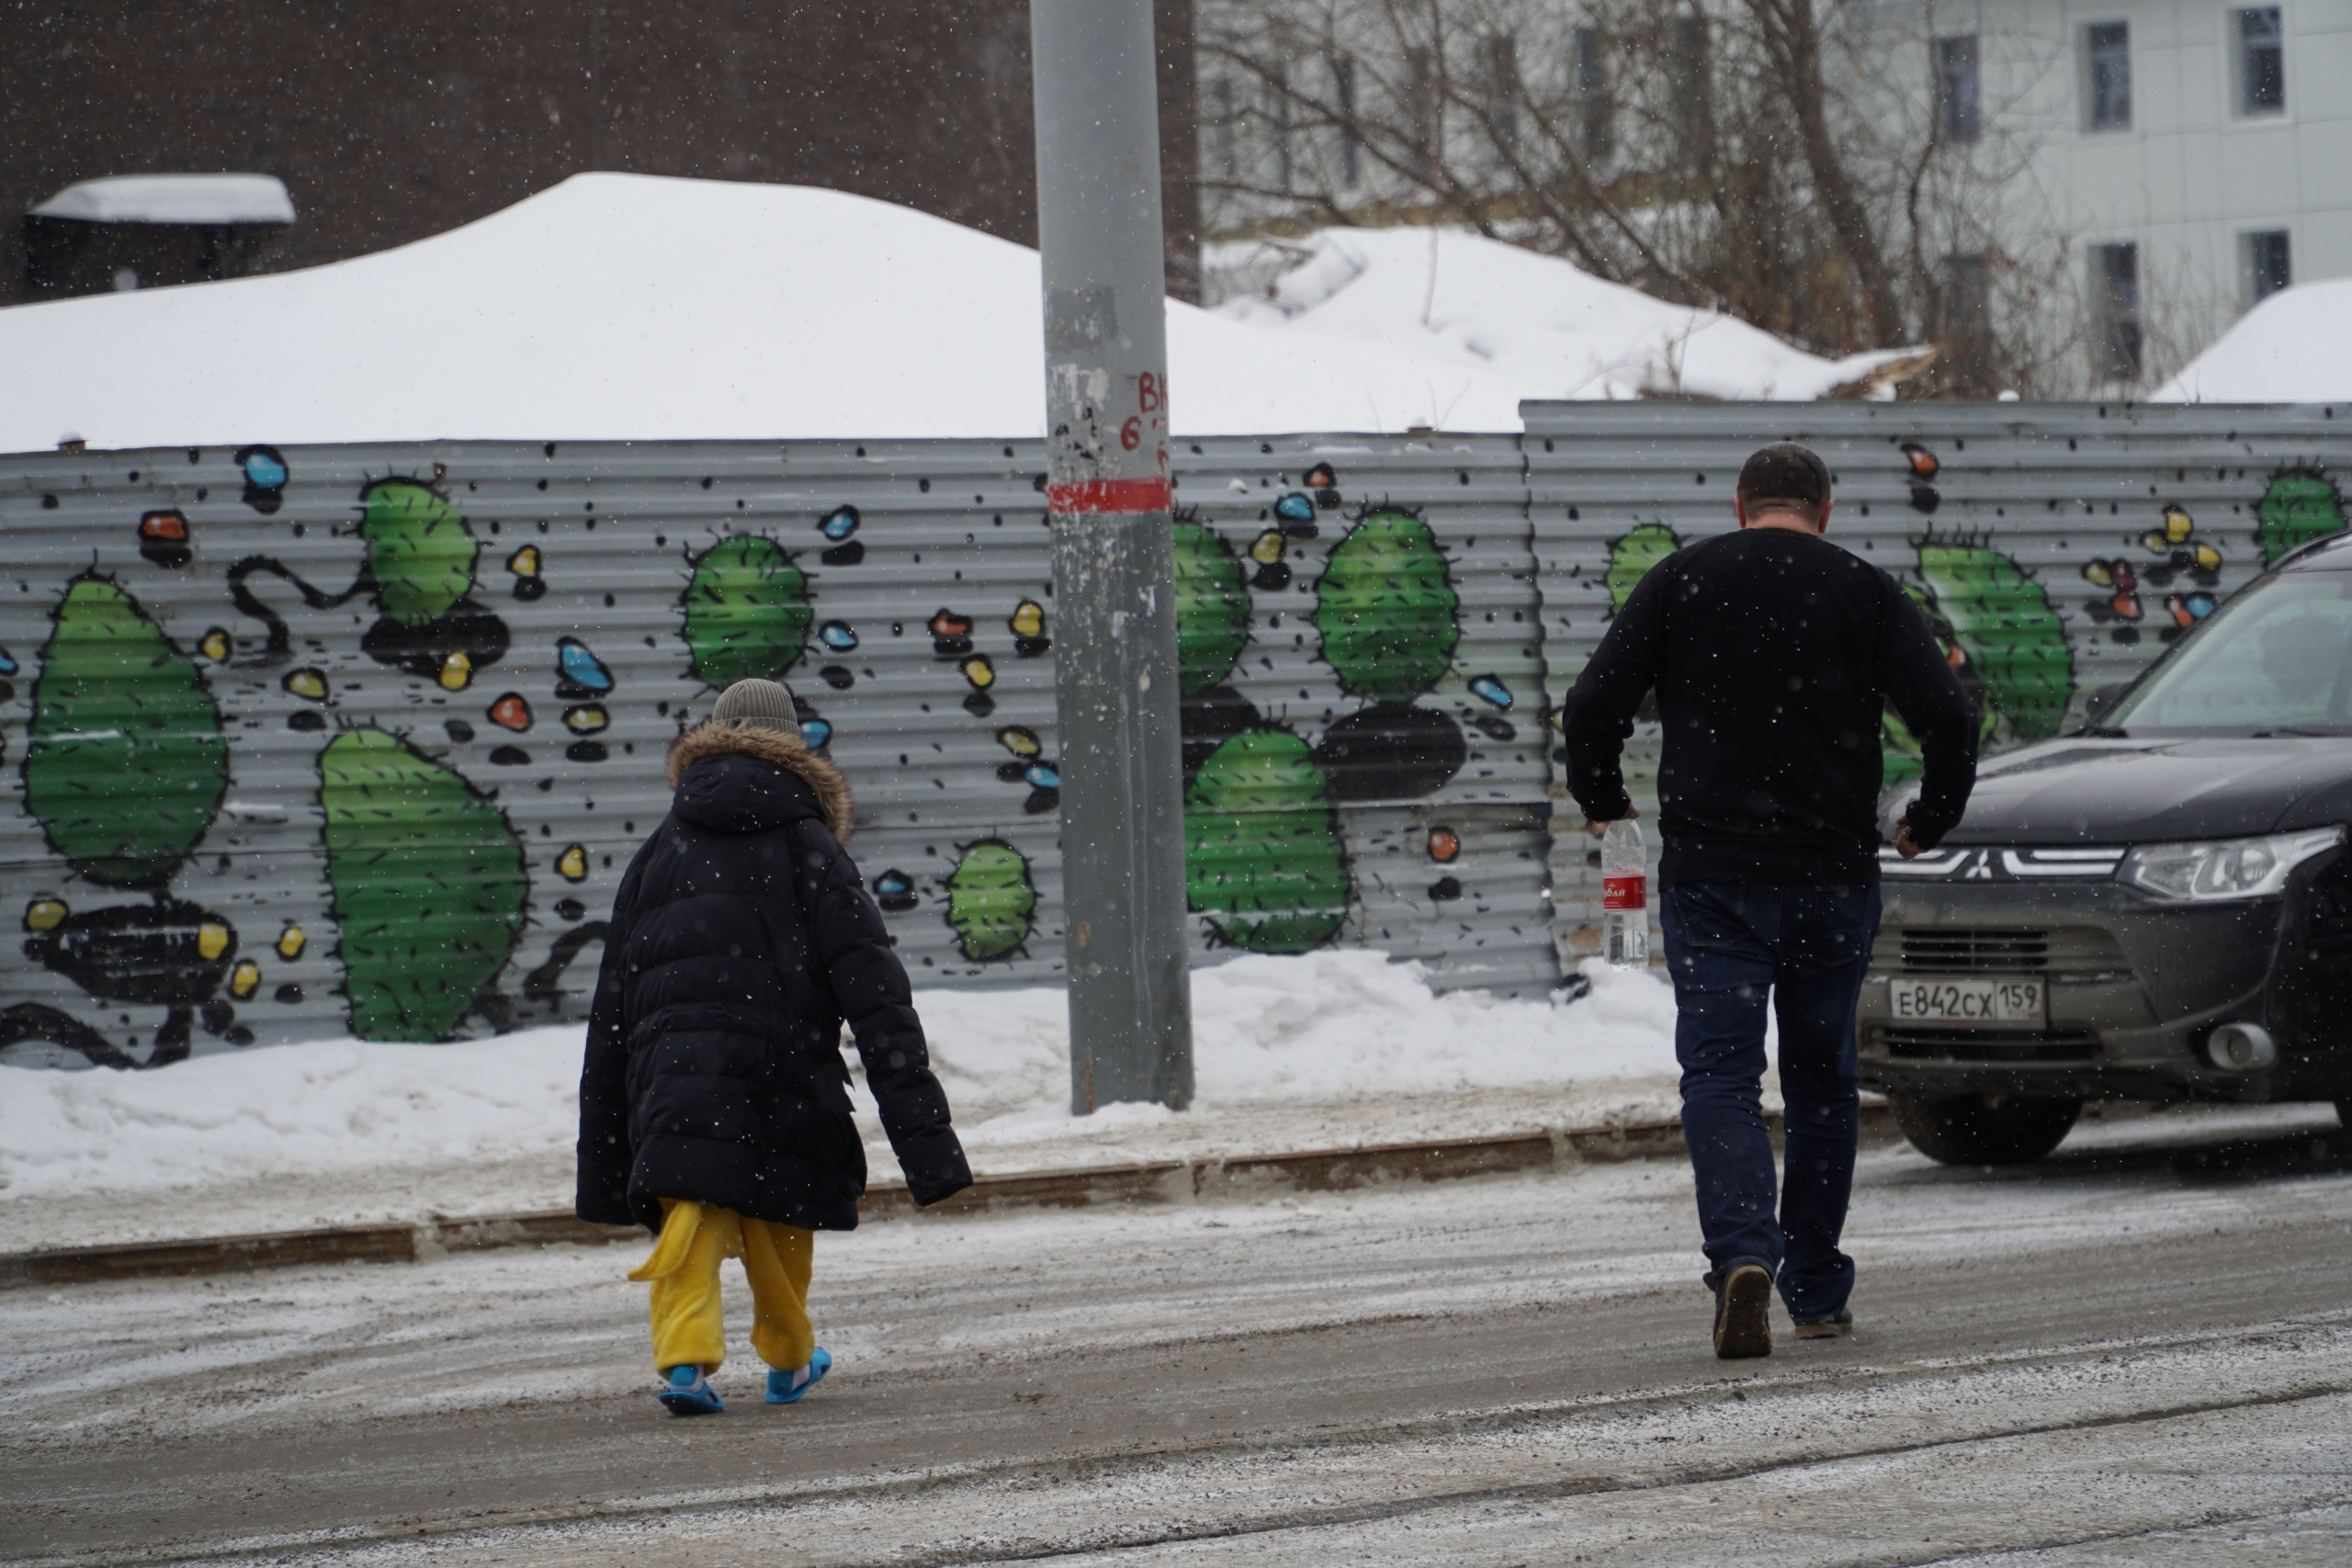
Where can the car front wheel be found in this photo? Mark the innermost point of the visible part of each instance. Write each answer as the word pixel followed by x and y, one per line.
pixel 1979 1129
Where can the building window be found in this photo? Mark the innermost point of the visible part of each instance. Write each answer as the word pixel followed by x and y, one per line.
pixel 1222 137
pixel 1343 105
pixel 1968 294
pixel 1957 115
pixel 2269 267
pixel 2115 310
pixel 1424 118
pixel 2106 54
pixel 1968 323
pixel 1502 92
pixel 1687 75
pixel 2261 62
pixel 1278 116
pixel 1596 114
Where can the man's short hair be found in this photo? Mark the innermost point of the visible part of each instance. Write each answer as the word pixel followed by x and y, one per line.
pixel 1785 475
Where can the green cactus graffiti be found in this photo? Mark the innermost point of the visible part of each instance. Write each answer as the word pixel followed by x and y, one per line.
pixel 747 610
pixel 1631 555
pixel 2299 506
pixel 2002 621
pixel 2005 642
pixel 428 884
pixel 1262 855
pixel 1385 609
pixel 1212 607
pixel 990 901
pixel 127 762
pixel 419 570
pixel 420 551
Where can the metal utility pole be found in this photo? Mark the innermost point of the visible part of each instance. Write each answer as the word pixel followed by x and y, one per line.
pixel 1114 588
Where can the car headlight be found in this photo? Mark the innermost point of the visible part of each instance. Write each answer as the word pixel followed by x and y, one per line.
pixel 2225 868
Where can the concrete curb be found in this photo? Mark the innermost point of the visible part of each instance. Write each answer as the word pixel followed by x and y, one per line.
pixel 1163 1182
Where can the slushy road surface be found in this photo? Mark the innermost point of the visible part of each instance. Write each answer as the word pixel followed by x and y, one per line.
pixel 2139 1352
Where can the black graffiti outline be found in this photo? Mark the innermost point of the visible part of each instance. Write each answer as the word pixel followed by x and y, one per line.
pixel 37 1020
pixel 278 647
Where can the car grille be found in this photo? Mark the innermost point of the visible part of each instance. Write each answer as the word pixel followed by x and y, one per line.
pixel 2002 865
pixel 1990 1045
pixel 2067 952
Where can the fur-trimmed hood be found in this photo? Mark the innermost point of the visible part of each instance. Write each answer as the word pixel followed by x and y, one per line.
pixel 825 782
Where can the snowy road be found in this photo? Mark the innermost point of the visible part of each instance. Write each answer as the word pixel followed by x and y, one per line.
pixel 2140 1351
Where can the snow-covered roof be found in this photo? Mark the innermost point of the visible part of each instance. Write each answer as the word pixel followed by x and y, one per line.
pixel 173 198
pixel 2289 349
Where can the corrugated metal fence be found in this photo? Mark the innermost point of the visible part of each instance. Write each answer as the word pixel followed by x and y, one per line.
pixel 330 739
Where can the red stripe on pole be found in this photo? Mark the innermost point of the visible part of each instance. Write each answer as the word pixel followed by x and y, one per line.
pixel 1105 497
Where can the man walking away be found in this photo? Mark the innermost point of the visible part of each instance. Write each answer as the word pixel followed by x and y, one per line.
pixel 1772 651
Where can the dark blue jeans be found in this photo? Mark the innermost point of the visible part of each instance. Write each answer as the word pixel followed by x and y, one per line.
pixel 1729 945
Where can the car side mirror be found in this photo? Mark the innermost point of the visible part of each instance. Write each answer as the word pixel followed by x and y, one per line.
pixel 2102 701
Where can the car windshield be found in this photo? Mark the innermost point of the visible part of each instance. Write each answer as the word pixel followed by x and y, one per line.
pixel 2275 659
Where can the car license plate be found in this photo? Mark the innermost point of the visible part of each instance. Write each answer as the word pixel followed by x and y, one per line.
pixel 1933 998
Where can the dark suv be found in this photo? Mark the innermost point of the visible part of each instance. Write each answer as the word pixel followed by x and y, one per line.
pixel 2156 908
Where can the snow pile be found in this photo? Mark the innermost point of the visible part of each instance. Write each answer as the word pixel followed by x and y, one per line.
pixel 1540 322
pixel 1329 1027
pixel 329 1106
pixel 1332 1026
pixel 2289 349
pixel 632 308
pixel 626 307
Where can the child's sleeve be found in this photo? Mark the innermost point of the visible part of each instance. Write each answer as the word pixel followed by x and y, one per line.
pixel 871 986
pixel 604 1149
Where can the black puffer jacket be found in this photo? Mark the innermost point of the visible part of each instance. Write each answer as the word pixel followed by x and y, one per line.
pixel 740 938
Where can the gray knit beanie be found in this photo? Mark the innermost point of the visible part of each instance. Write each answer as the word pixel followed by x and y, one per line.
pixel 762 704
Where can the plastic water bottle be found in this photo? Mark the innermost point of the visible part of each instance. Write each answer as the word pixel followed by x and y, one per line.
pixel 1624 896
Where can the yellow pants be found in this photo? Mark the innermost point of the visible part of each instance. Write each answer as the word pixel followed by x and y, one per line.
pixel 684 1273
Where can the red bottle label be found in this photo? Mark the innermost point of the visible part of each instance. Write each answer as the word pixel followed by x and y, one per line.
pixel 1624 892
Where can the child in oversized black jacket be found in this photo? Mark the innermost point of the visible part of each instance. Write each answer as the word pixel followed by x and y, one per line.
pixel 714 1104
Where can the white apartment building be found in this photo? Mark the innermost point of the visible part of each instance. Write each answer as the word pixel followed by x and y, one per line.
pixel 2159 165
pixel 2193 156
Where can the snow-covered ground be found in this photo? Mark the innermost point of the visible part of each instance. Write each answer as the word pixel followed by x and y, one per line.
pixel 1539 321
pixel 628 306
pixel 1332 1049
pixel 2289 349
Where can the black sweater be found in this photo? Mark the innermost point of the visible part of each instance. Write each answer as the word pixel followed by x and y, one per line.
pixel 1771 652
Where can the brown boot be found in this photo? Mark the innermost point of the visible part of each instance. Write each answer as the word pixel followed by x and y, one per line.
pixel 1744 1312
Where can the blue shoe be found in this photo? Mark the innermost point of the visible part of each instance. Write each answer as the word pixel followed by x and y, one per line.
pixel 785 1388
pixel 688 1392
